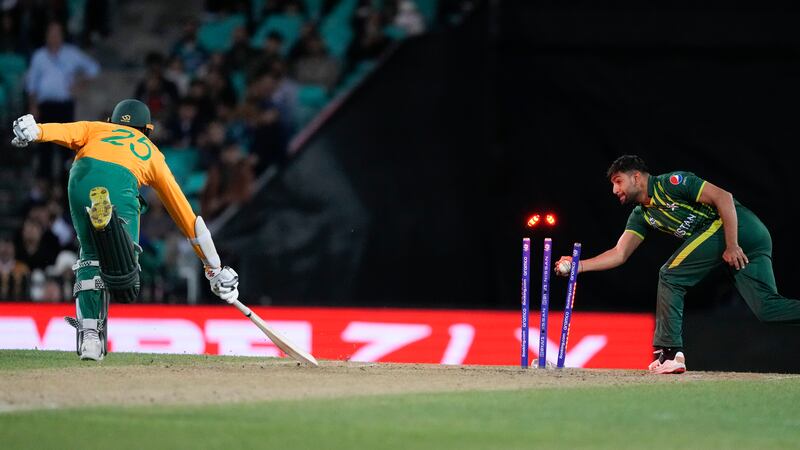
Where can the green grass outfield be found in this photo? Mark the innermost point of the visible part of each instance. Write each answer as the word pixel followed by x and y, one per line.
pixel 714 414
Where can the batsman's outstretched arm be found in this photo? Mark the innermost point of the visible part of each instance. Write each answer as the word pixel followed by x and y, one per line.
pixel 224 280
pixel 609 259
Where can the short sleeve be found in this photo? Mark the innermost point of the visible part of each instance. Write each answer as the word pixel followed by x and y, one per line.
pixel 683 186
pixel 636 223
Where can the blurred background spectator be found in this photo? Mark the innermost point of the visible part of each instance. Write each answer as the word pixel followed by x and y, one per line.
pixel 55 75
pixel 157 91
pixel 230 182
pixel 14 274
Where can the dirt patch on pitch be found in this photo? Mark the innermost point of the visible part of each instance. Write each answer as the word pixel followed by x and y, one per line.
pixel 277 379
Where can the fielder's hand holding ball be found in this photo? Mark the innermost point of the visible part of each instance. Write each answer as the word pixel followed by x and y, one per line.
pixel 563 266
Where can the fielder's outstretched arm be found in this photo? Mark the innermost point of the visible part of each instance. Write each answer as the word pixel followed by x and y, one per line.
pixel 609 259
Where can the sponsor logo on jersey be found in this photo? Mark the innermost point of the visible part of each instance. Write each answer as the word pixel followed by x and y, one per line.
pixel 676 179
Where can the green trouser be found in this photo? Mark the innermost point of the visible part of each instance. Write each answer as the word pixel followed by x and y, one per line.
pixel 701 254
pixel 123 188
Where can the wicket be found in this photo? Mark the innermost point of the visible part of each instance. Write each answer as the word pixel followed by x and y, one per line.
pixel 526 278
pixel 545 305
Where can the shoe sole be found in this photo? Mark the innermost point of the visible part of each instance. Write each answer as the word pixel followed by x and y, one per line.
pixel 100 211
pixel 675 371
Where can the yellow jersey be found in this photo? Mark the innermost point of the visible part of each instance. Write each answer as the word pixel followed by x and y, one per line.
pixel 127 147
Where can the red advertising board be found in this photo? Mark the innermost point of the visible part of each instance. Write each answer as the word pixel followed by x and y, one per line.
pixel 598 340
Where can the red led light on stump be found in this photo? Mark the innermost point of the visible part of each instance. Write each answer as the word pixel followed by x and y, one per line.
pixel 549 219
pixel 533 220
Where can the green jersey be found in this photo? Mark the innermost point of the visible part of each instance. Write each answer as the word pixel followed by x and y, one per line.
pixel 674 206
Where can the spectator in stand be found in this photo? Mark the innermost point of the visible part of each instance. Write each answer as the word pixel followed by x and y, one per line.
pixel 52 291
pixel 370 41
pixel 188 48
pixel 297 49
pixel 285 96
pixel 56 72
pixel 174 72
pixel 235 124
pixel 184 127
pixel 60 225
pixel 61 272
pixel 49 214
pixel 155 90
pixel 57 206
pixel 210 143
pixel 41 214
pixel 240 54
pixel 311 63
pixel 14 274
pixel 31 250
pixel 229 182
pixel 269 137
pixel 198 93
pixel 220 88
pixel 216 61
pixel 263 61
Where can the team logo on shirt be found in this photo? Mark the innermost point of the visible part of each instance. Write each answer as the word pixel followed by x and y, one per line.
pixel 676 179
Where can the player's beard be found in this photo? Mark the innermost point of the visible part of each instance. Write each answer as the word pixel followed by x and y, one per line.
pixel 631 196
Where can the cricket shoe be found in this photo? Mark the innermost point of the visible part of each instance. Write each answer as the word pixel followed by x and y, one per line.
pixel 661 365
pixel 100 211
pixel 91 345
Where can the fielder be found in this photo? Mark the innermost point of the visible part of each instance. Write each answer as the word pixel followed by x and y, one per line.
pixel 715 229
pixel 113 160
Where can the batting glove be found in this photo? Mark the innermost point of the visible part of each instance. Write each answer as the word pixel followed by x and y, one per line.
pixel 224 283
pixel 25 131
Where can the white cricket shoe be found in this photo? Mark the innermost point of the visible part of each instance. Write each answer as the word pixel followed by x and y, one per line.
pixel 91 346
pixel 668 366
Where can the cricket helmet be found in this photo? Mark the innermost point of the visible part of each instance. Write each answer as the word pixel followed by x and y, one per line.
pixel 133 113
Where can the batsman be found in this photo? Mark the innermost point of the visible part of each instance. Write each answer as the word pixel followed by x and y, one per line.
pixel 716 230
pixel 113 160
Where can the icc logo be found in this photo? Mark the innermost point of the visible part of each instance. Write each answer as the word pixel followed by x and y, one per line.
pixel 125 118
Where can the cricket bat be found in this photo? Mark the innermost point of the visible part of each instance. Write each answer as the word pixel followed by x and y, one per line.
pixel 278 339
